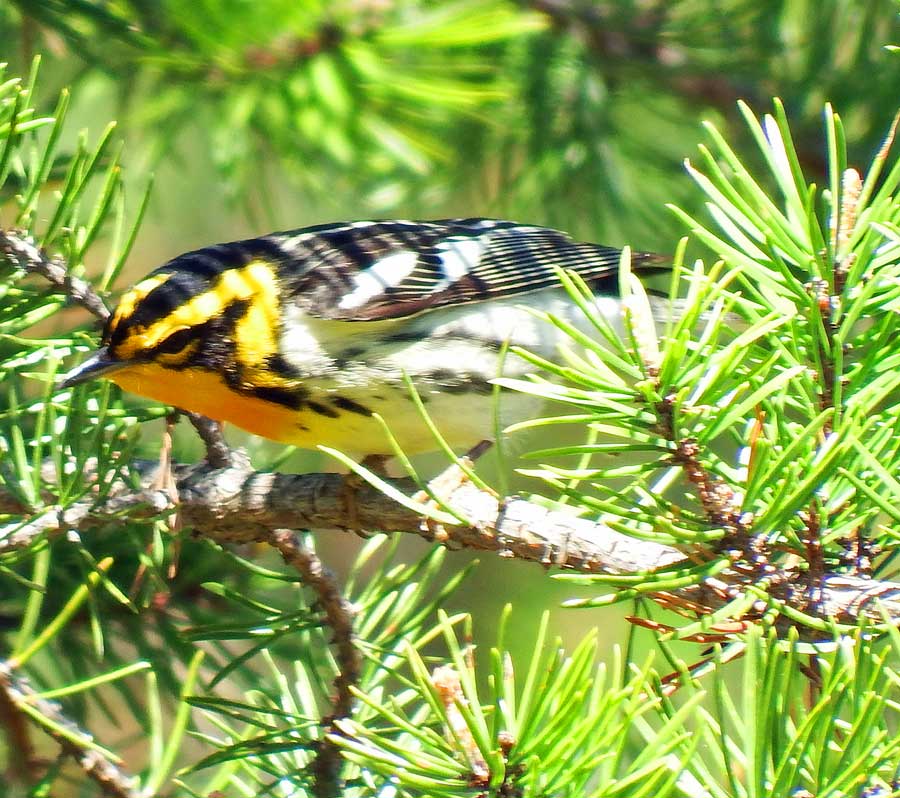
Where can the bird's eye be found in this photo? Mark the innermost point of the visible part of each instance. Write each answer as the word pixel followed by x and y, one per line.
pixel 175 342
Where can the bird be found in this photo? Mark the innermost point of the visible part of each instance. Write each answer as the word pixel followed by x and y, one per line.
pixel 305 336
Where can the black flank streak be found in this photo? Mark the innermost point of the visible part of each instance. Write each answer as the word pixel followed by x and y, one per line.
pixel 280 396
pixel 323 410
pixel 349 355
pixel 280 366
pixel 442 375
pixel 348 404
pixel 472 386
pixel 403 338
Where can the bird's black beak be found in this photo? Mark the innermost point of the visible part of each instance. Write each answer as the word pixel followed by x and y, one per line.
pixel 99 364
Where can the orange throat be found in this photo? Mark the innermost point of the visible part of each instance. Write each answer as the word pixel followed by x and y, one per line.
pixel 340 416
pixel 204 392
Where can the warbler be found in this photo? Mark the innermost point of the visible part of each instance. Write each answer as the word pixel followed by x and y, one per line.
pixel 302 336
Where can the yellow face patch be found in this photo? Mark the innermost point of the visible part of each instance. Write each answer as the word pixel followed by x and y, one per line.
pixel 133 296
pixel 255 332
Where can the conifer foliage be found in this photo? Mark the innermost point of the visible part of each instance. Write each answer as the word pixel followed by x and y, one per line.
pixel 162 635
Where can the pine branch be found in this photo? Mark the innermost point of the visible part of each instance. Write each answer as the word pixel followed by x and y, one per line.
pixel 22 251
pixel 241 505
pixel 339 617
pixel 18 694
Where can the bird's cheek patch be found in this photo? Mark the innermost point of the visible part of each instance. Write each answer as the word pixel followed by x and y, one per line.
pixel 256 331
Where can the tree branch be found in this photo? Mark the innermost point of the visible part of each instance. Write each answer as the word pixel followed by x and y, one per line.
pixel 339 617
pixel 17 693
pixel 240 505
pixel 21 250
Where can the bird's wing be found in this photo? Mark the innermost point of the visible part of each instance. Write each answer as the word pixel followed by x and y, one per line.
pixel 360 271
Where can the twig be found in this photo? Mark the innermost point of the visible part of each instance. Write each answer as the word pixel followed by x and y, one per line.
pixel 716 498
pixel 21 759
pixel 218 453
pixel 22 251
pixel 238 504
pixel 339 617
pixel 448 686
pixel 107 774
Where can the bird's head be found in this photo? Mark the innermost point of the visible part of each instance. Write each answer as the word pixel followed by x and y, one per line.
pixel 202 312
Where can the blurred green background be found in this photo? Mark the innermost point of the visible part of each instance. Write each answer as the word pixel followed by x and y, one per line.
pixel 257 116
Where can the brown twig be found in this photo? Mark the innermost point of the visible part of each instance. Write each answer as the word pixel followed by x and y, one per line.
pixel 716 498
pixel 22 764
pixel 339 617
pixel 21 250
pixel 218 453
pixel 111 779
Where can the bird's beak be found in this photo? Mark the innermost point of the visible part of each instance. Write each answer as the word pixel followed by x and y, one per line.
pixel 100 364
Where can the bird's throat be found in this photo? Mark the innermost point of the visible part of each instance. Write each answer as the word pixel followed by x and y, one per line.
pixel 205 392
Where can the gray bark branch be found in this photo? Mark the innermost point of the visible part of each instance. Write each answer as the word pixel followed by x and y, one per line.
pixel 111 779
pixel 238 505
pixel 21 250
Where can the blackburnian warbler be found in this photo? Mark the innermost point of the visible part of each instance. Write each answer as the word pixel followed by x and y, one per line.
pixel 302 336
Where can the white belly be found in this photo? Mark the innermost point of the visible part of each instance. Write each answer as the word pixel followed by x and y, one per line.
pixel 452 356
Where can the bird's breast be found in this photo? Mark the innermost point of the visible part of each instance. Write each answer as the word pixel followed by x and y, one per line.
pixel 333 379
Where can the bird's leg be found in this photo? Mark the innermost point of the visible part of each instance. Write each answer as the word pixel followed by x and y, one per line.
pixel 376 463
